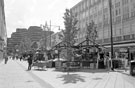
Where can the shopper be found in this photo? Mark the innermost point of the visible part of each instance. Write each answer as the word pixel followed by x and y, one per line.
pixel 30 60
pixel 6 59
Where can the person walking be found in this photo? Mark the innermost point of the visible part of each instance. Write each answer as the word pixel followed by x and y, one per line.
pixel 30 59
pixel 6 59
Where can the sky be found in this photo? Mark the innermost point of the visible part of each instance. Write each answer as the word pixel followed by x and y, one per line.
pixel 25 13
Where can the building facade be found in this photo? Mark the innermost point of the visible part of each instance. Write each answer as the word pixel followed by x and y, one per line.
pixel 3 32
pixel 35 33
pixel 123 21
pixel 16 38
pixel 25 38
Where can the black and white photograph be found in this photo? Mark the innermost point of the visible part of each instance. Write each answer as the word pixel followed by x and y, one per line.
pixel 67 43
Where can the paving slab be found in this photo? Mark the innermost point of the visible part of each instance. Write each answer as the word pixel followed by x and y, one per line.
pixel 84 79
pixel 14 76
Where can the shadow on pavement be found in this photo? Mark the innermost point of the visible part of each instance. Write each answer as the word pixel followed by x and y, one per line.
pixel 97 78
pixel 85 70
pixel 39 70
pixel 95 70
pixel 71 78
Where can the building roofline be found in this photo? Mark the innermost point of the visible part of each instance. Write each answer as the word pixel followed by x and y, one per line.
pixel 76 4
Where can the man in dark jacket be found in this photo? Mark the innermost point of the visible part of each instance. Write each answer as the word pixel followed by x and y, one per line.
pixel 30 59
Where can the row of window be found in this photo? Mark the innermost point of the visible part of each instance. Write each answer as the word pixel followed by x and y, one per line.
pixel 86 3
pixel 105 19
pixel 117 12
pixel 117 31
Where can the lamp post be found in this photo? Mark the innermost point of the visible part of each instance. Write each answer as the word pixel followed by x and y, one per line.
pixel 50 31
pixel 110 10
pixel 44 35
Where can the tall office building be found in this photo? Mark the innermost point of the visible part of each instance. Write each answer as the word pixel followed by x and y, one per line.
pixel 22 31
pixel 35 33
pixel 16 38
pixel 3 33
pixel 123 21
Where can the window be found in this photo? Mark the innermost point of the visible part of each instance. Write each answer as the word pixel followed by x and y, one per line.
pixel 99 24
pixel 100 34
pixel 133 10
pixel 125 16
pixel 118 19
pixel 118 31
pixel 117 4
pixel 133 14
pixel 87 3
pixel 126 29
pixel 125 2
pixel 116 12
pixel 119 11
pixel 105 10
pixel 106 33
pixel 133 28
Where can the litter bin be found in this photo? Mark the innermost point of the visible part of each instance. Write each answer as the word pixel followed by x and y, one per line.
pixel 132 67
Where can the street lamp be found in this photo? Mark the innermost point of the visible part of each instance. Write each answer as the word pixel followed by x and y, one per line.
pixel 44 34
pixel 50 31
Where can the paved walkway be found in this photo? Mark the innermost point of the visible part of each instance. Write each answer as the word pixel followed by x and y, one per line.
pixel 85 79
pixel 14 75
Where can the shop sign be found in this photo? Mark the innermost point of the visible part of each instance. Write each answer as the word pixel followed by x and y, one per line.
pixel 123 50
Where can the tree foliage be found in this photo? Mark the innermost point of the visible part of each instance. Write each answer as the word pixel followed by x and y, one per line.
pixel 70 32
pixel 25 44
pixel 70 22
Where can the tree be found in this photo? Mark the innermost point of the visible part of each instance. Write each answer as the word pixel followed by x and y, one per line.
pixel 25 44
pixel 92 35
pixel 70 32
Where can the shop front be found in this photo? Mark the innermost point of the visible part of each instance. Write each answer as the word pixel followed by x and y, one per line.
pixel 123 54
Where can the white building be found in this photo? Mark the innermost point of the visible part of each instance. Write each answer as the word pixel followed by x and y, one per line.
pixel 123 20
pixel 3 33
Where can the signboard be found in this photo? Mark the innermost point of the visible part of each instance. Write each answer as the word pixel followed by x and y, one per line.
pixel 123 50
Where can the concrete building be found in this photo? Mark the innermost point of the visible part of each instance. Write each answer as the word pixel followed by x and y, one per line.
pixel 35 33
pixel 22 31
pixel 16 38
pixel 123 20
pixel 3 32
